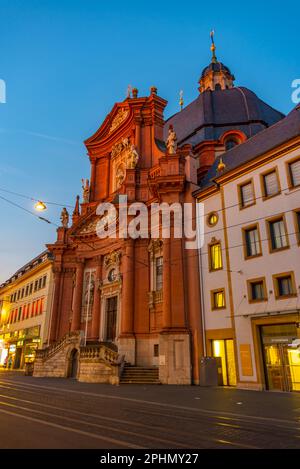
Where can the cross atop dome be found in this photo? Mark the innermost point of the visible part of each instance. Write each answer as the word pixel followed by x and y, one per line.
pixel 216 76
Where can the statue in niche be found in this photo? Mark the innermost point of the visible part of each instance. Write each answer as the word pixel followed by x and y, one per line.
pixel 85 190
pixel 171 141
pixel 120 176
pixel 64 217
pixel 132 158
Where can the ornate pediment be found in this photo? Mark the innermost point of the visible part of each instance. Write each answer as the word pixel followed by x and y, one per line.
pixel 118 119
pixel 89 227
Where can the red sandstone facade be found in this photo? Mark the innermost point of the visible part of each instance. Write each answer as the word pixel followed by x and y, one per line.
pixel 153 317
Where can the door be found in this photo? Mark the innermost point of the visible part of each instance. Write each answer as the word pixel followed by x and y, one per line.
pixel 225 350
pixel 73 364
pixel 111 318
pixel 281 359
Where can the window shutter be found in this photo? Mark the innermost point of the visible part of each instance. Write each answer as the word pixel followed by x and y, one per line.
pixel 247 194
pixel 271 184
pixel 295 173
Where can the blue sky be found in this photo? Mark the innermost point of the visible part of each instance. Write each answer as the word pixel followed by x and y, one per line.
pixel 65 63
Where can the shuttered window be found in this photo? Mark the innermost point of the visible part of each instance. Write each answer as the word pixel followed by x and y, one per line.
pixel 271 186
pixel 285 286
pixel 247 194
pixel 278 234
pixel 295 173
pixel 257 291
pixel 252 242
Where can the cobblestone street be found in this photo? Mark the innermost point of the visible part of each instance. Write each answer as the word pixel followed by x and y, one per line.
pixel 59 413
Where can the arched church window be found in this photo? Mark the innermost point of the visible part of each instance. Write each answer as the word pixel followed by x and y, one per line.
pixel 218 87
pixel 230 143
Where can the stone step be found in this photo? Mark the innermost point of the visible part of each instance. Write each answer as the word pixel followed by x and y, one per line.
pixel 139 375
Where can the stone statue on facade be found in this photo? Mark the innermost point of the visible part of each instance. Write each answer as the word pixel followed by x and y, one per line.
pixel 133 157
pixel 64 217
pixel 120 176
pixel 85 190
pixel 171 141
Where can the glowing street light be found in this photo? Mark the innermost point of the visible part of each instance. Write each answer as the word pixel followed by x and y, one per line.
pixel 40 206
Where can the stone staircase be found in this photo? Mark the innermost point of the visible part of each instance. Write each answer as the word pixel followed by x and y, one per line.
pixel 139 375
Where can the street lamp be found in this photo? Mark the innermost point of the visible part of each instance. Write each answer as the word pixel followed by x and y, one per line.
pixel 40 206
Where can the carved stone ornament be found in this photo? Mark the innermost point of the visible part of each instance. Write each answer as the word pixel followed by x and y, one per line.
pixel 120 147
pixel 118 119
pixel 113 258
pixel 90 227
pixel 155 245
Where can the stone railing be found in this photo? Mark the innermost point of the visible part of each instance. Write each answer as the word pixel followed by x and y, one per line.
pixel 57 346
pixel 155 172
pixel 100 353
pixel 155 297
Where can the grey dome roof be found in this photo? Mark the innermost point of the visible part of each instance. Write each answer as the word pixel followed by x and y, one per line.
pixel 215 67
pixel 283 131
pixel 214 112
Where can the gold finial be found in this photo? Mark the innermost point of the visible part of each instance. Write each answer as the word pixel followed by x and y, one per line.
pixel 213 47
pixel 221 165
pixel 181 102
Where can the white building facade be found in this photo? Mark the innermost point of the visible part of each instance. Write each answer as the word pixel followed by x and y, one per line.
pixel 250 261
pixel 25 312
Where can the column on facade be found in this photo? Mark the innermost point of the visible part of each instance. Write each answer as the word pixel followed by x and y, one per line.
pixel 55 304
pixel 76 316
pixel 167 283
pixel 97 297
pixel 128 289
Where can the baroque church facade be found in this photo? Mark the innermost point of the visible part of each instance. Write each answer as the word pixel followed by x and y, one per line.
pixel 137 301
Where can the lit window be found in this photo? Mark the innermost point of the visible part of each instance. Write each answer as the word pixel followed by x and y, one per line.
pixel 270 184
pixel 252 242
pixel 215 256
pixel 278 237
pixel 247 194
pixel 218 299
pixel 212 219
pixel 159 273
pixel 294 171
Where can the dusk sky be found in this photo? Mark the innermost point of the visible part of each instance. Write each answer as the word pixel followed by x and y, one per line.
pixel 65 63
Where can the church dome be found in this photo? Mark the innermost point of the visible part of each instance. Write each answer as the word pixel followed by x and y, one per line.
pixel 215 67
